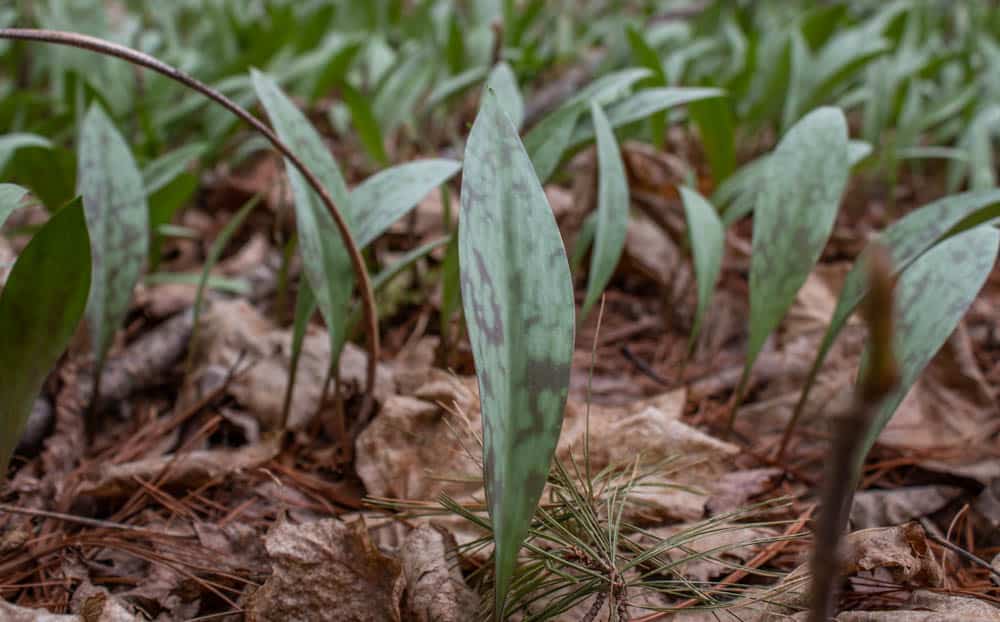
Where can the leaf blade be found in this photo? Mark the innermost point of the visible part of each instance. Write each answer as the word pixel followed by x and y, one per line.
pixel 40 308
pixel 520 322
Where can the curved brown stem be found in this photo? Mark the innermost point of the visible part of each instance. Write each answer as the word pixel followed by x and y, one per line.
pixel 101 46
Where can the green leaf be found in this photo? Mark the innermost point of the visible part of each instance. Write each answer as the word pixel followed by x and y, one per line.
pixel 451 294
pixel 386 196
pixel 159 173
pixel 163 204
pixel 549 139
pixel 518 301
pixel 708 239
pixel 803 182
pixel 643 104
pixel 9 143
pixel 238 286
pixel 933 294
pixel 325 260
pixel 305 306
pixel 906 240
pixel 40 307
pixel 365 123
pixel 612 210
pixel 454 85
pixel 739 193
pixel 716 126
pixel 114 202
pixel 10 199
pixel 396 97
pixel 50 174
pixel 503 82
pixel 214 252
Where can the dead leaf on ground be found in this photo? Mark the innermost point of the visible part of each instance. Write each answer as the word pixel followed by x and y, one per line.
pixel 190 469
pixel 708 552
pixel 96 604
pixel 924 606
pixel 416 450
pixel 234 329
pixel 327 570
pixel 435 589
pixel 883 508
pixel 13 613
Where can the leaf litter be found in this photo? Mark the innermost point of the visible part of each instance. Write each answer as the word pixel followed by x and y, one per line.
pixel 205 510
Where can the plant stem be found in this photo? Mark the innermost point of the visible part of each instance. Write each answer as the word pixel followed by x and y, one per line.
pixel 880 377
pixel 107 48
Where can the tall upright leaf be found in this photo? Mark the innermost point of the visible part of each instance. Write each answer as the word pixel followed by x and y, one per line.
pixel 934 293
pixel 708 239
pixel 612 210
pixel 40 307
pixel 114 202
pixel 503 82
pixel 805 177
pixel 325 260
pixel 518 301
pixel 906 240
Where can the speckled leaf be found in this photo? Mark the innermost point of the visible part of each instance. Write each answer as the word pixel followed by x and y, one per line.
pixel 384 197
pixel 612 210
pixel 503 82
pixel 40 307
pixel 325 260
pixel 10 199
pixel 518 301
pixel 803 182
pixel 932 296
pixel 708 240
pixel 738 194
pixel 906 240
pixel 114 202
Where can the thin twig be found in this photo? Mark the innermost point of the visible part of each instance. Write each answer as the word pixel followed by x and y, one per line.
pixel 967 555
pixel 101 46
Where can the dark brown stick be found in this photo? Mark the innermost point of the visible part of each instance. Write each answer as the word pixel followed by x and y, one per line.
pixel 880 378
pixel 101 46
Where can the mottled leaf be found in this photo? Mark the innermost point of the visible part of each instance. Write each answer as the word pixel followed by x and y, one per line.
pixel 932 296
pixel 396 97
pixel 738 194
pixel 503 82
pixel 708 238
pixel 906 240
pixel 612 210
pixel 325 260
pixel 114 202
pixel 40 308
pixel 803 182
pixel 385 197
pixel 10 199
pixel 455 84
pixel 518 301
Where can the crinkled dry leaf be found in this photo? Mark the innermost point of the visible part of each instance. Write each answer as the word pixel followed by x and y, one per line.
pixel 13 613
pixel 924 606
pixel 327 570
pixel 234 329
pixel 435 589
pixel 882 508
